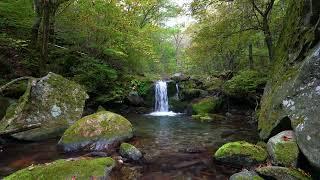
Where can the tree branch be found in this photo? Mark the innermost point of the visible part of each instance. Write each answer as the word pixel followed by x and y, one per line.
pixel 17 130
pixel 2 88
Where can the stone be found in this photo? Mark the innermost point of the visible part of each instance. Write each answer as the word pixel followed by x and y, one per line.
pixel 245 175
pixel 80 168
pixel 206 105
pixel 4 104
pixel 129 151
pixel 241 153
pixel 135 99
pixel 96 132
pixel 283 149
pixel 53 101
pixel 285 173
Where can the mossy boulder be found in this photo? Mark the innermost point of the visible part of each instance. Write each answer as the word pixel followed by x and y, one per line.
pixel 85 169
pixel 177 105
pixel 4 104
pixel 245 175
pixel 192 93
pixel 129 151
pixel 53 101
pixel 206 105
pixel 293 90
pixel 283 149
pixel 246 82
pixel 278 172
pixel 96 132
pixel 241 153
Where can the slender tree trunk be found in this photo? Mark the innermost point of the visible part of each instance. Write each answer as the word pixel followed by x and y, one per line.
pixel 268 39
pixel 45 37
pixel 250 56
pixel 37 21
pixel 52 25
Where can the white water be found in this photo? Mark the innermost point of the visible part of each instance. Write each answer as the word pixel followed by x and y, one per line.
pixel 161 100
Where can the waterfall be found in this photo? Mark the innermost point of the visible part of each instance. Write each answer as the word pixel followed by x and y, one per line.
pixel 161 97
pixel 177 88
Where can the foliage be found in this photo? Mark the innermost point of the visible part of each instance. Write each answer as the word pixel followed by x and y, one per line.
pixel 245 82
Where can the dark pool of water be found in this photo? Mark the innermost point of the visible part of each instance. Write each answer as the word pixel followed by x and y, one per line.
pixel 174 147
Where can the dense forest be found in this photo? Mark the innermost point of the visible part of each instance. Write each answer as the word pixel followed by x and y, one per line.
pixel 159 89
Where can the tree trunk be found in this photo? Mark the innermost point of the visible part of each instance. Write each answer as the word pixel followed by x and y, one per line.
pixel 268 38
pixel 45 37
pixel 250 57
pixel 37 21
pixel 52 25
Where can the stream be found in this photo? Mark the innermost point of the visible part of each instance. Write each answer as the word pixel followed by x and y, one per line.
pixel 173 146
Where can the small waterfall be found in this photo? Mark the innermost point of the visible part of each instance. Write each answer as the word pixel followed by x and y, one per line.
pixel 177 88
pixel 161 97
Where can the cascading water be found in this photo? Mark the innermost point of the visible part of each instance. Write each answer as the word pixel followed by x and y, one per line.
pixel 161 97
pixel 161 100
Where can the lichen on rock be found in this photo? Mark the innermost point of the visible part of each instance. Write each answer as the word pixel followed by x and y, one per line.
pixel 52 101
pixel 66 169
pixel 99 131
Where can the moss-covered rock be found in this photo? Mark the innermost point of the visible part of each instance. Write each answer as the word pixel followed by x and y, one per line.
pixel 278 172
pixel 53 101
pixel 206 105
pixel 67 169
pixel 100 131
pixel 129 151
pixel 241 153
pixel 177 105
pixel 208 117
pixel 4 104
pixel 244 83
pixel 246 175
pixel 192 93
pixel 283 149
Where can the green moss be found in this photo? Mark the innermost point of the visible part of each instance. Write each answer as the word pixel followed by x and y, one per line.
pixel 283 173
pixel 208 117
pixel 206 105
pixel 102 125
pixel 286 153
pixel 242 148
pixel 66 169
pixel 244 83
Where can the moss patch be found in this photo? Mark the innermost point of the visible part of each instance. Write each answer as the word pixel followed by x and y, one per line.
pixel 66 169
pixel 283 173
pixel 206 105
pixel 241 148
pixel 286 153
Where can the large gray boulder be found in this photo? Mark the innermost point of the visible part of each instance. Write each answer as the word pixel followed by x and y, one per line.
pixel 292 97
pixel 51 101
pixel 96 132
pixel 283 149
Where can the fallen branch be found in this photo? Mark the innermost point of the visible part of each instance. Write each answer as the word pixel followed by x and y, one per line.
pixel 2 88
pixel 22 129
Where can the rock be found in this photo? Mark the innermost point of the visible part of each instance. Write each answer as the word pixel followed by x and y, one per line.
pixel 208 117
pixel 88 168
pixel 284 173
pixel 245 175
pixel 177 105
pixel 283 149
pixel 130 152
pixel 241 153
pixel 15 90
pixel 190 94
pixel 53 101
pixel 179 77
pixel 96 132
pixel 135 99
pixel 100 108
pixel 4 104
pixel 206 105
pixel 293 91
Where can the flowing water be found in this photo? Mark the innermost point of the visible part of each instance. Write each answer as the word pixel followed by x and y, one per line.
pixel 161 97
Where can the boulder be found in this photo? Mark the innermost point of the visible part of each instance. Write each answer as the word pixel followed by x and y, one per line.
pixel 293 91
pixel 241 153
pixel 179 77
pixel 4 104
pixel 130 152
pixel 192 93
pixel 52 101
pixel 96 132
pixel 135 99
pixel 245 175
pixel 206 105
pixel 88 168
pixel 283 149
pixel 277 172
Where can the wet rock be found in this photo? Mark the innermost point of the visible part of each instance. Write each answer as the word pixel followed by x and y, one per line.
pixel 206 105
pixel 135 99
pixel 100 131
pixel 53 101
pixel 246 175
pixel 192 93
pixel 241 153
pixel 98 168
pixel 129 151
pixel 278 172
pixel 283 149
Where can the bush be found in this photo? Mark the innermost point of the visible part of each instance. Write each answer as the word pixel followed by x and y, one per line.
pixel 244 83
